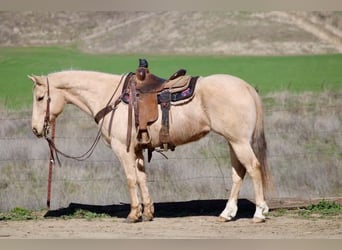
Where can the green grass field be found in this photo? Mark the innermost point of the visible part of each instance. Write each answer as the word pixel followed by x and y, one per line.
pixel 267 73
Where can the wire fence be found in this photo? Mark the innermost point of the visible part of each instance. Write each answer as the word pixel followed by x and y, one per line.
pixel 24 117
pixel 28 138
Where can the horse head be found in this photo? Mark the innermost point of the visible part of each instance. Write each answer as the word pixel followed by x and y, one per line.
pixel 48 103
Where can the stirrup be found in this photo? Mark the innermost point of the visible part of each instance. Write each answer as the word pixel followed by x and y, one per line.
pixel 165 147
pixel 144 137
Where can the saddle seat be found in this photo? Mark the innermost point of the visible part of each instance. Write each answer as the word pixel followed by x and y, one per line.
pixel 149 83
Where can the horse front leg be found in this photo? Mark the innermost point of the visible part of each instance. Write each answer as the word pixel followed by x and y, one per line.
pixel 142 182
pixel 128 162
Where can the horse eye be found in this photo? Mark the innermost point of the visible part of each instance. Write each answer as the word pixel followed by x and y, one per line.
pixel 40 98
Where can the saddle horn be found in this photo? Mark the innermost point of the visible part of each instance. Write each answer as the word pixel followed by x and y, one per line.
pixel 143 63
pixel 142 69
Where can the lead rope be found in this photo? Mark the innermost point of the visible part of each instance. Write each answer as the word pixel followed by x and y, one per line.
pixel 51 162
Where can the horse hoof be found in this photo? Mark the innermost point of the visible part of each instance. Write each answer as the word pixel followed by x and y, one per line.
pixel 131 220
pixel 147 218
pixel 223 219
pixel 258 220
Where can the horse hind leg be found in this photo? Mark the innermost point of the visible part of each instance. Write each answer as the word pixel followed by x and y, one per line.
pixel 247 158
pixel 238 173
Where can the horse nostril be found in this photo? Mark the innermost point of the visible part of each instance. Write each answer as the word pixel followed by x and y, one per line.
pixel 35 131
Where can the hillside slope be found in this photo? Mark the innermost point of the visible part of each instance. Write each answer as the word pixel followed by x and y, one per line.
pixel 250 33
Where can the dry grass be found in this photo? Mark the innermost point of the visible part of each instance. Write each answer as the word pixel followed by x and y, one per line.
pixel 304 140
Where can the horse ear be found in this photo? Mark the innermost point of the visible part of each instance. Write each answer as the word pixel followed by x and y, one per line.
pixel 37 80
pixel 32 78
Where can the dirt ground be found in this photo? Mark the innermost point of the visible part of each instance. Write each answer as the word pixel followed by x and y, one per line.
pixel 191 227
pixel 177 220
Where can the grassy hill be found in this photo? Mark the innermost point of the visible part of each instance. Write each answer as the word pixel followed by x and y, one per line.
pixel 263 48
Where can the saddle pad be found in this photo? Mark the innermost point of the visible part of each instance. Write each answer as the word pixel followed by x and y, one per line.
pixel 177 94
pixel 183 94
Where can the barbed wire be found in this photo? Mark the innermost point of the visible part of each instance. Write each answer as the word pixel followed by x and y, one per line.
pixel 335 132
pixel 225 157
pixel 76 139
pixel 43 180
pixel 24 115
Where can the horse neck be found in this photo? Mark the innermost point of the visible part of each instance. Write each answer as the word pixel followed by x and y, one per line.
pixel 90 91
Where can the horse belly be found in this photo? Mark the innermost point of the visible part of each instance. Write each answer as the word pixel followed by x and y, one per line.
pixel 188 122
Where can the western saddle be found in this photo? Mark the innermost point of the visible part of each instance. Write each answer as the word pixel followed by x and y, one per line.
pixel 143 92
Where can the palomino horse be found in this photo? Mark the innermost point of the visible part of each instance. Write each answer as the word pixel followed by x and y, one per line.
pixel 222 103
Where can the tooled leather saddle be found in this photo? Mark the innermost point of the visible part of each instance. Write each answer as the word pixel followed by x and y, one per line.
pixel 143 92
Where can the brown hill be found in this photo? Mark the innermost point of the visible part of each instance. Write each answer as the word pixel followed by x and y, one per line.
pixel 251 33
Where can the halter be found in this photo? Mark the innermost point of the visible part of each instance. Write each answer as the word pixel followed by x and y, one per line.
pixel 52 147
pixel 47 114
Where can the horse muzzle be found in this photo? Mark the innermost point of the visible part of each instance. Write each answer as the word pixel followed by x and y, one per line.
pixel 42 132
pixel 36 133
